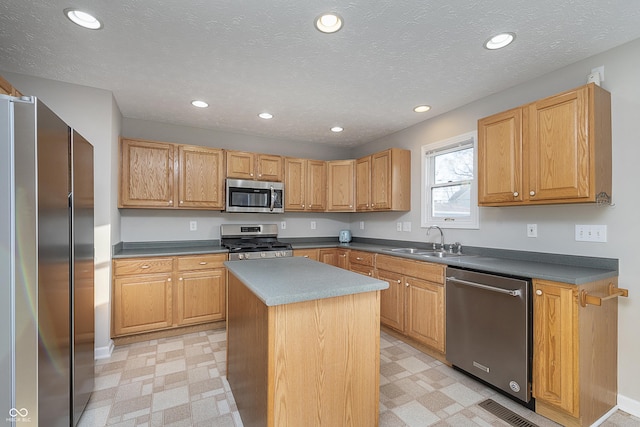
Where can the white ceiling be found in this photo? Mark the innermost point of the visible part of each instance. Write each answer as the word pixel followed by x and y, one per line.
pixel 248 56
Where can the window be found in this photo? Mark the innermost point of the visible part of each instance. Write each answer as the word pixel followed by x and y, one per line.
pixel 449 190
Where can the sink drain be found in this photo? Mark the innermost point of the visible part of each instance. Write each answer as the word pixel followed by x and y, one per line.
pixel 505 414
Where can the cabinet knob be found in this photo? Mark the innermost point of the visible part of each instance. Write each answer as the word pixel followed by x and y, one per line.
pixel 399 281
pixel 180 278
pixel 203 263
pixel 406 284
pixel 538 292
pixel 181 202
pixel 144 266
pixel 170 201
pixel 532 193
pixel 516 194
pixel 306 256
pixel 259 175
pixel 369 274
pixel 169 279
pixel 302 206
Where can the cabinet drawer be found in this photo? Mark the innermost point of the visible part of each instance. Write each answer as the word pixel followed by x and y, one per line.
pixel 362 258
pixel 129 267
pixel 423 270
pixel 201 262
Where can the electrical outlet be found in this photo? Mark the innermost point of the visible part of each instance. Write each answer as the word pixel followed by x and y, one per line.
pixel 398 226
pixel 313 225
pixel 193 225
pixel 532 230
pixel 599 70
pixel 361 225
pixel 283 225
pixel 406 226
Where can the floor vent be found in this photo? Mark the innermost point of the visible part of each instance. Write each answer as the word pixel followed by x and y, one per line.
pixel 505 414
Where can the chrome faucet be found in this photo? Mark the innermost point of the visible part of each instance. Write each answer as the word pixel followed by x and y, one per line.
pixel 441 236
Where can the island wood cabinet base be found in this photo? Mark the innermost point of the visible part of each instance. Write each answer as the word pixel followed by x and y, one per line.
pixel 311 363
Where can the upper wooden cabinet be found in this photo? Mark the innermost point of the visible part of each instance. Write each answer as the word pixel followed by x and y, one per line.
pixel 305 184
pixel 387 187
pixel 254 166
pixel 7 89
pixel 555 150
pixel 341 188
pixel 164 175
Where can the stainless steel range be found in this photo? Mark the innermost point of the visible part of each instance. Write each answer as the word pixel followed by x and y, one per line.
pixel 253 241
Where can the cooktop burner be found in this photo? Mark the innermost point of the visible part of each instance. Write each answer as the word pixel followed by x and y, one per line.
pixel 251 241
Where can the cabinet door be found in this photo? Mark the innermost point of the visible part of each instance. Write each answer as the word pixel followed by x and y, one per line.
pixel 342 256
pixel 558 147
pixel 381 180
pixel 328 256
pixel 295 172
pixel 363 184
pixel 269 167
pixel 500 158
pixel 201 296
pixel 201 182
pixel 425 312
pixel 142 303
pixel 5 87
pixel 316 193
pixel 240 165
pixel 392 300
pixel 146 174
pixel 555 346
pixel 362 269
pixel 341 189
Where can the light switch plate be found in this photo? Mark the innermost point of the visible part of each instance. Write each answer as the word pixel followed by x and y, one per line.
pixel 406 226
pixel 398 226
pixel 313 225
pixel 283 225
pixel 591 233
pixel 361 225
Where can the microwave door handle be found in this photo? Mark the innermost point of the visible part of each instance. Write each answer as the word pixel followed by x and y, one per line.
pixel 273 199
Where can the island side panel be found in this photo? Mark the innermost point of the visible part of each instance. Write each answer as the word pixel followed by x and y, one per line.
pixel 247 352
pixel 327 361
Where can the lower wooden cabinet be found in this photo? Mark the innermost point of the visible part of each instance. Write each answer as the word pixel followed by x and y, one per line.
pixel 307 253
pixel 328 256
pixel 575 352
pixel 414 302
pixel 156 293
pixel 362 262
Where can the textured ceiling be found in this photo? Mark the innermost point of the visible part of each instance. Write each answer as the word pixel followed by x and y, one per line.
pixel 248 56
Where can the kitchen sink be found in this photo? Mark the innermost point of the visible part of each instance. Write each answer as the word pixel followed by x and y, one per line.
pixel 438 254
pixel 414 251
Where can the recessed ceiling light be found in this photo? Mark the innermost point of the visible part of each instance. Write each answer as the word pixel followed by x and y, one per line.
pixel 337 129
pixel 265 116
pixel 83 19
pixel 199 104
pixel 329 22
pixel 499 41
pixel 422 108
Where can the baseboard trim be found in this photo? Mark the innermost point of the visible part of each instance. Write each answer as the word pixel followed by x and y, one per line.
pixel 104 352
pixel 629 405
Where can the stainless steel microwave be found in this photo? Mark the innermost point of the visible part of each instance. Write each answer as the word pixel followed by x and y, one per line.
pixel 255 196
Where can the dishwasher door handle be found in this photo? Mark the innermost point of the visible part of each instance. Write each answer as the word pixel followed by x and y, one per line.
pixel 513 293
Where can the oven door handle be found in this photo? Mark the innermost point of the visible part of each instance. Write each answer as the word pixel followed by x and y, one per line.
pixel 273 199
pixel 513 293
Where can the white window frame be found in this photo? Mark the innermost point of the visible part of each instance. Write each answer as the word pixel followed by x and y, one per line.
pixel 450 144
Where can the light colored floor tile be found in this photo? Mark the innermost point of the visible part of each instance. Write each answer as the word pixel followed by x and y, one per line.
pixel 168 398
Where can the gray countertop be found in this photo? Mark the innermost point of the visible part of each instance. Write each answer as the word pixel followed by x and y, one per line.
pixel 279 281
pixel 555 267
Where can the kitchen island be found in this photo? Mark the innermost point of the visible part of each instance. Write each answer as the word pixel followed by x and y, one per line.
pixel 303 343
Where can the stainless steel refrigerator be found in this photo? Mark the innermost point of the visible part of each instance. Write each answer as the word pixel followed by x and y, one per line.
pixel 46 266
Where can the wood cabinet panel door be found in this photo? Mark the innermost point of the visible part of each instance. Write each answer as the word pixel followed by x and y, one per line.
pixel 240 165
pixel 342 256
pixel 381 180
pixel 559 170
pixel 201 296
pixel 142 303
pixel 328 256
pixel 555 346
pixel 425 312
pixel 201 182
pixel 363 184
pixel 341 194
pixel 500 158
pixel 295 172
pixel 146 174
pixel 269 167
pixel 392 300
pixel 316 194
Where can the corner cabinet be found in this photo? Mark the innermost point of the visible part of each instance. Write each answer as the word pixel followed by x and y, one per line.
pixel 555 150
pixel 341 186
pixel 574 351
pixel 383 181
pixel 170 176
pixel 157 293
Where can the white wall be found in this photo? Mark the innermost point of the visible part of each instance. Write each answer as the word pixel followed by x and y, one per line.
pixel 506 227
pixel 93 113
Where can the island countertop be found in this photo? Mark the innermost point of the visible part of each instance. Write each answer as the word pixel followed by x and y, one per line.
pixel 296 279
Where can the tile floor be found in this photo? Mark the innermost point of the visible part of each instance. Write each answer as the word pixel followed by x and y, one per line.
pixel 180 381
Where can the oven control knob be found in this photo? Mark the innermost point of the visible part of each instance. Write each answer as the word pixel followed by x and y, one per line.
pixel 240 256
pixel 262 254
pixel 278 254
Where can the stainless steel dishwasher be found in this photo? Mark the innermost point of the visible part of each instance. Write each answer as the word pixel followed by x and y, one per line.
pixel 489 331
